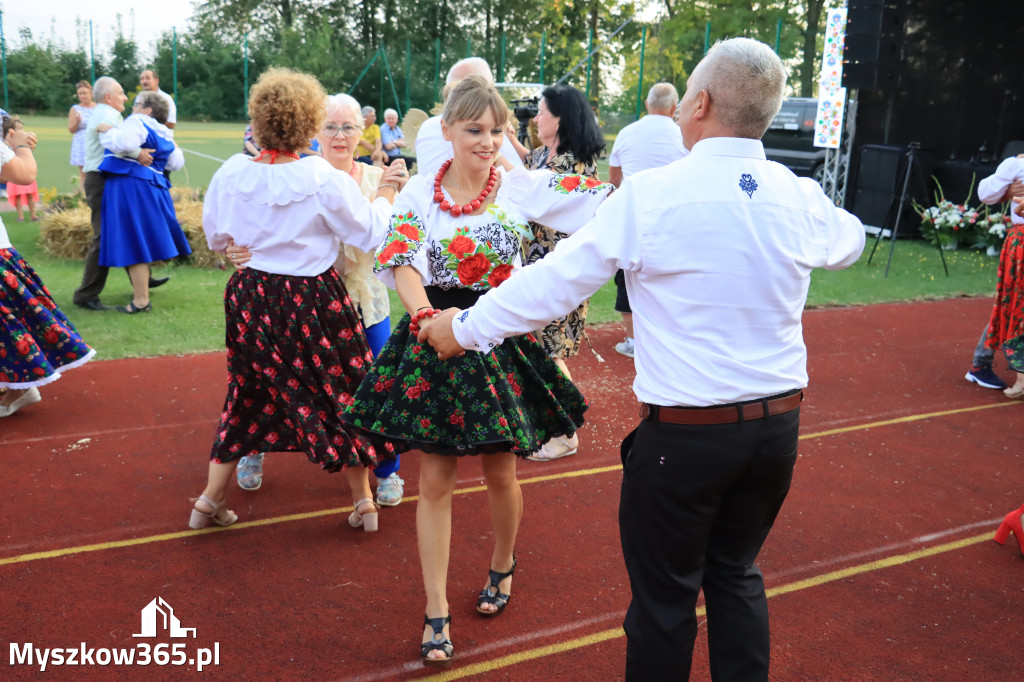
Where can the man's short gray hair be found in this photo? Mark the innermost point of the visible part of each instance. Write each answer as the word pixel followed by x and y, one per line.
pixel 470 66
pixel 342 101
pixel 103 86
pixel 368 110
pixel 662 97
pixel 745 81
pixel 389 111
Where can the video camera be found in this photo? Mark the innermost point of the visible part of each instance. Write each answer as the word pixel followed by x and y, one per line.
pixel 525 110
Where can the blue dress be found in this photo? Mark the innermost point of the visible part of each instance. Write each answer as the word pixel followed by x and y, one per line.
pixel 139 224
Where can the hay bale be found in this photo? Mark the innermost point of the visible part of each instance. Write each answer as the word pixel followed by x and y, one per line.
pixel 66 230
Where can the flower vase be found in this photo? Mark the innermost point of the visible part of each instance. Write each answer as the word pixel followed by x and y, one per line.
pixel 950 246
pixel 992 252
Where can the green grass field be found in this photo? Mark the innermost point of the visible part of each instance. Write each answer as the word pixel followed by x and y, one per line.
pixel 188 313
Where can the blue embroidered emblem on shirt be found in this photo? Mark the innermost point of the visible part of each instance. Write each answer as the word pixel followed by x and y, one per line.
pixel 748 184
pixel 463 316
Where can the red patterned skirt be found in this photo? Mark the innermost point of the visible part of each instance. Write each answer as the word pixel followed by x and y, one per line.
pixel 296 354
pixel 1006 326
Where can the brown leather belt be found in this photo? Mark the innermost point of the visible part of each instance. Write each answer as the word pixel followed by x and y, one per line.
pixel 724 414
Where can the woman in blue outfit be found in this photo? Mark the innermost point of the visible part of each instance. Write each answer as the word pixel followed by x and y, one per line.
pixel 139 225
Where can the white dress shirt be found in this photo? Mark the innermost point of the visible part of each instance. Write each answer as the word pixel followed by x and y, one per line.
pixel 432 149
pixel 292 217
pixel 992 188
pixel 652 142
pixel 717 250
pixel 172 109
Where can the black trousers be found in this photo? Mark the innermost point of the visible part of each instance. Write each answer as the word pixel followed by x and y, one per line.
pixel 95 276
pixel 697 504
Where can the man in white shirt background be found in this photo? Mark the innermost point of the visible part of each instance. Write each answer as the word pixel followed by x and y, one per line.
pixel 432 149
pixel 652 142
pixel 148 81
pixel 717 250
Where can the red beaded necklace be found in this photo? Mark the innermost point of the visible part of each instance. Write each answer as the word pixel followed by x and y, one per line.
pixel 455 209
pixel 274 153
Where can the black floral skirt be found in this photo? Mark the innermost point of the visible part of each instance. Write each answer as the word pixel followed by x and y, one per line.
pixel 512 399
pixel 296 353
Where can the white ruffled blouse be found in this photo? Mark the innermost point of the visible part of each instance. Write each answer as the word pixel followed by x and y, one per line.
pixel 293 217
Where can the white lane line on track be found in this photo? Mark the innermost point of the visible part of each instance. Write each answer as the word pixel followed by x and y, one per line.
pixel 503 645
pixel 205 156
pixel 883 550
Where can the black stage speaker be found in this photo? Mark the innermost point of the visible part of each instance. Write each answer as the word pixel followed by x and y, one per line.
pixel 873 48
pixel 878 172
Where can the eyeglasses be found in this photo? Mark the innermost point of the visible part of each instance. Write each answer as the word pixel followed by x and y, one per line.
pixel 330 130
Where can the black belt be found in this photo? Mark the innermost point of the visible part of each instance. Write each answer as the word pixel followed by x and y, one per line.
pixel 723 414
pixel 456 297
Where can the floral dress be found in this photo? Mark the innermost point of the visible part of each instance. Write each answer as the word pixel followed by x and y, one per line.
pixel 563 337
pixel 37 342
pixel 1006 326
pixel 511 399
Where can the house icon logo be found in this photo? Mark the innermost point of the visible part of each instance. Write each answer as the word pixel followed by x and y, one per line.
pixel 151 621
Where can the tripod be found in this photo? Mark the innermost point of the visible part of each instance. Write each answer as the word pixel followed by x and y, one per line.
pixel 899 203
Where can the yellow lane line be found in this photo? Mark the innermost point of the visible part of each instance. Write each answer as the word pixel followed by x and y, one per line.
pixel 51 554
pixel 615 633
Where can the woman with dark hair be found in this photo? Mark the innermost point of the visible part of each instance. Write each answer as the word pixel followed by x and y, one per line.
pixel 572 142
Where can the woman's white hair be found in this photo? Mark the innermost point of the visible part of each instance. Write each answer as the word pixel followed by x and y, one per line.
pixel 341 101
pixel 745 81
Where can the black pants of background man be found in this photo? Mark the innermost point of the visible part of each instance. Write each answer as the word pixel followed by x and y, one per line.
pixel 697 504
pixel 95 276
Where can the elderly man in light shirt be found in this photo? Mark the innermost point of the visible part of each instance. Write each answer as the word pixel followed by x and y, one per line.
pixel 652 142
pixel 148 81
pixel 432 149
pixel 110 99
pixel 717 250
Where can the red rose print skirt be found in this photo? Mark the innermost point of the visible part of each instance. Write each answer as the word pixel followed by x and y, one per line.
pixel 296 354
pixel 512 399
pixel 37 342
pixel 1006 326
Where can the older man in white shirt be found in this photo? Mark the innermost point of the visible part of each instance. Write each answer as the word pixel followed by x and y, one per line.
pixel 652 142
pixel 717 250
pixel 148 80
pixel 432 149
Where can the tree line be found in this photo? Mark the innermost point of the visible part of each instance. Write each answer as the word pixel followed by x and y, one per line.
pixel 228 43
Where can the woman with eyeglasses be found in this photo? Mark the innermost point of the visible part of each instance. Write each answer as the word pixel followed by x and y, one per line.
pixel 295 347
pixel 337 142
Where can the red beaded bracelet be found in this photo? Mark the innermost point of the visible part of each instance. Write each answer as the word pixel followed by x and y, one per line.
pixel 420 315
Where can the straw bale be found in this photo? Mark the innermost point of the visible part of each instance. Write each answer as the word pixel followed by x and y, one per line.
pixel 66 229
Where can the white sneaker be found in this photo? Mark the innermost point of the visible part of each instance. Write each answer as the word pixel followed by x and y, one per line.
pixel 390 491
pixel 27 398
pixel 626 347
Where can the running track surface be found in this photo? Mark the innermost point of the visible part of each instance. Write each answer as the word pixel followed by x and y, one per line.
pixel 880 566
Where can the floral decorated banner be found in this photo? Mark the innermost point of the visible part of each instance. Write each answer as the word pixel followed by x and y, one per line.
pixel 828 124
pixel 831 76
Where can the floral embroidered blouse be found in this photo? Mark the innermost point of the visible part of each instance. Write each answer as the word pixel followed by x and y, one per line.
pixel 480 252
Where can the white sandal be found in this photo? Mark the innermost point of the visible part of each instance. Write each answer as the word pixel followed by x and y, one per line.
pixel 201 519
pixel 367 522
pixel 556 448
